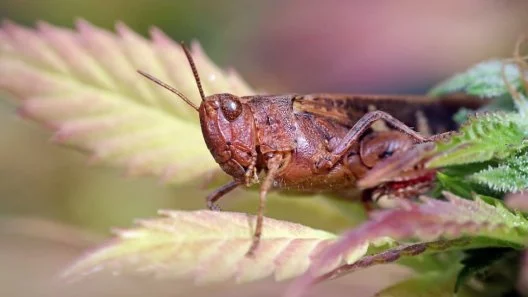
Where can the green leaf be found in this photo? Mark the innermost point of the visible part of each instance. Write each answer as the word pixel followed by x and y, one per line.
pixel 482 138
pixel 484 80
pixel 84 86
pixel 509 176
pixel 455 185
pixel 462 115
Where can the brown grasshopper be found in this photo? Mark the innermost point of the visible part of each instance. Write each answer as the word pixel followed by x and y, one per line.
pixel 319 142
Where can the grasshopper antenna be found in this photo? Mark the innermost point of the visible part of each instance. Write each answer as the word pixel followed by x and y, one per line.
pixel 195 72
pixel 166 86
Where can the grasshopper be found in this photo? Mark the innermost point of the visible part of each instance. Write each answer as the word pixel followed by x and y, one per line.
pixel 320 142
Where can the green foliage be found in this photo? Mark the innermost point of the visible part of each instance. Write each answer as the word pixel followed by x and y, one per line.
pixel 494 139
pixel 482 138
pixel 484 80
pixel 509 176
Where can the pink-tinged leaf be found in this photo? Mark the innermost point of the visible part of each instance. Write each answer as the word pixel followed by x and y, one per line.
pixel 83 85
pixel 208 246
pixel 394 254
pixel 431 220
pixel 67 44
pixel 31 47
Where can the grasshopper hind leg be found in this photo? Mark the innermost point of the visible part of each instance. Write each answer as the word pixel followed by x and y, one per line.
pixel 360 127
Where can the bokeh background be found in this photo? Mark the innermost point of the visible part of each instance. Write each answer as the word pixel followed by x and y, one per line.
pixel 53 206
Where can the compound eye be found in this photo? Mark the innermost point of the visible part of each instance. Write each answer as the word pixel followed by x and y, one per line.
pixel 231 108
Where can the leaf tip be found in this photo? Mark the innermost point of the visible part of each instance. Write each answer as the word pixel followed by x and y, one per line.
pixel 83 25
pixel 44 26
pixel 159 37
pixel 123 30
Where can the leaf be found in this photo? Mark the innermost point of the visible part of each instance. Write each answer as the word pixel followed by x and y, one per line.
pixel 483 80
pixel 431 220
pixel 84 86
pixel 487 79
pixel 209 246
pixel 509 176
pixel 398 253
pixel 484 137
pixel 454 185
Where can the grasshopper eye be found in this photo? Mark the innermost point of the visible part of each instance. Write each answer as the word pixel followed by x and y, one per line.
pixel 231 108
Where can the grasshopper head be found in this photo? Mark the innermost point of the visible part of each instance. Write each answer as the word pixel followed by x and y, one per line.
pixel 227 126
pixel 229 131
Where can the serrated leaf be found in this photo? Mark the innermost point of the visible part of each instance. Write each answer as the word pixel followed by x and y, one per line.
pixel 493 78
pixel 209 246
pixel 402 253
pixel 84 86
pixel 484 137
pixel 509 176
pixel 483 79
pixel 431 220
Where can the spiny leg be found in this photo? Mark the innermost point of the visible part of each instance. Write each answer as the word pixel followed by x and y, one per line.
pixel 274 165
pixel 219 193
pixel 377 126
pixel 358 129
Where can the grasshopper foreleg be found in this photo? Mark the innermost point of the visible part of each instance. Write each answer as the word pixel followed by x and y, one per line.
pixel 219 193
pixel 274 164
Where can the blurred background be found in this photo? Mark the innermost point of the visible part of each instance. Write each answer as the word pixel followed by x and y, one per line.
pixel 53 206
